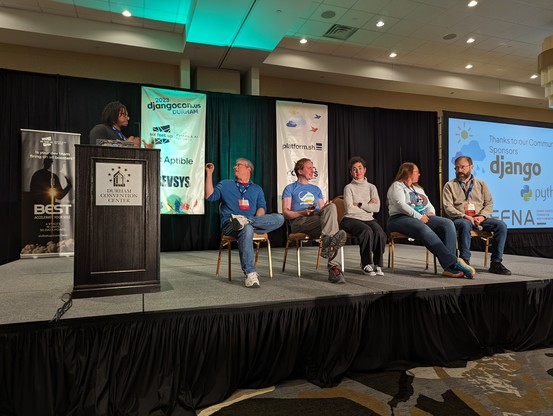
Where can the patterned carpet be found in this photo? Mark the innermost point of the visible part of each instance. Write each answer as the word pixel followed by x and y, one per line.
pixel 507 384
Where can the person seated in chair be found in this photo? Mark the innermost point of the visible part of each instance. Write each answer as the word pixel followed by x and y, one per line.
pixel 412 214
pixel 468 202
pixel 242 213
pixel 361 201
pixel 303 205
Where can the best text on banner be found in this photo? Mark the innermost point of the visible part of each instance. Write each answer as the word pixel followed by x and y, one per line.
pixel 47 208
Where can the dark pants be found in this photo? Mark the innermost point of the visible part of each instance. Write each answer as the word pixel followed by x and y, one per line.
pixel 371 237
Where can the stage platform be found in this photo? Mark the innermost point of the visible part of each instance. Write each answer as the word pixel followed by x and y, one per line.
pixel 201 337
pixel 31 289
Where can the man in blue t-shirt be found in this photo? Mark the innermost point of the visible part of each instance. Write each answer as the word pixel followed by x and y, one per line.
pixel 303 205
pixel 242 212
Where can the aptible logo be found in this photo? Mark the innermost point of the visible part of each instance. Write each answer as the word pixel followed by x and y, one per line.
pixel 177 160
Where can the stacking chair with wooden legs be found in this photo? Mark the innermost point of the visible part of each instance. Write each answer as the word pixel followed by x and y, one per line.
pixel 391 250
pixel 298 239
pixel 227 240
pixel 486 236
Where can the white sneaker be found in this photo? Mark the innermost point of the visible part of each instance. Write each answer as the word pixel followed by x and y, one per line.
pixel 238 221
pixel 252 280
pixel 379 271
pixel 368 270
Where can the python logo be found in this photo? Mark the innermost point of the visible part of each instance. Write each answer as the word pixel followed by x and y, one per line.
pixel 526 193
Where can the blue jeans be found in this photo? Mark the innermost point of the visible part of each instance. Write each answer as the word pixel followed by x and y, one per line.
pixel 260 225
pixel 438 235
pixel 499 229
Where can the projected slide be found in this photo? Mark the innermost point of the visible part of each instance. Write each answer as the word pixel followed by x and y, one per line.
pixel 515 159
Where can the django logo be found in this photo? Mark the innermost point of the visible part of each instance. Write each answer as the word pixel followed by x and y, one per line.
pixel 501 168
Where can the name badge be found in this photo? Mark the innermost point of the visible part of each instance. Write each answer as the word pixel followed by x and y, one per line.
pixel 470 209
pixel 244 204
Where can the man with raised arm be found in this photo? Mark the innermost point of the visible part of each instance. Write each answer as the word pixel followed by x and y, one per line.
pixel 242 213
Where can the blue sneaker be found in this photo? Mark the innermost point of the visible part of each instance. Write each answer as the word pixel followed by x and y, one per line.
pixel 461 266
pixel 451 272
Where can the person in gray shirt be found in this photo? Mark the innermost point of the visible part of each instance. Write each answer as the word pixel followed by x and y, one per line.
pixel 361 201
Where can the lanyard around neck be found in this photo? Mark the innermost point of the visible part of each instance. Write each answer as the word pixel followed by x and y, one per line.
pixel 466 190
pixel 242 188
pixel 119 133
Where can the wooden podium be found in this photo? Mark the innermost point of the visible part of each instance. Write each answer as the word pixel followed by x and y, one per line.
pixel 116 221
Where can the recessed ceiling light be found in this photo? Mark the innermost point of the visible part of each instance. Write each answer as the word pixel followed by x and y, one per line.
pixel 470 40
pixel 380 23
pixel 534 76
pixel 329 14
pixel 303 40
pixel 393 55
pixel 472 3
pixel 449 36
pixel 468 66
pixel 126 13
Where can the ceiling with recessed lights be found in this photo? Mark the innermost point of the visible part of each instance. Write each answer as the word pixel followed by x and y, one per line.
pixel 349 42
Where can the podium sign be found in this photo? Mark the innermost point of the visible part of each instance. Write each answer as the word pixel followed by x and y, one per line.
pixel 117 226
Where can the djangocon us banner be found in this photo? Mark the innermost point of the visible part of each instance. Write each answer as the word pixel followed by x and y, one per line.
pixel 47 194
pixel 174 122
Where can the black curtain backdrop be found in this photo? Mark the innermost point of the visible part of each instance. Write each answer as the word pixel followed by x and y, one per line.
pixel 237 126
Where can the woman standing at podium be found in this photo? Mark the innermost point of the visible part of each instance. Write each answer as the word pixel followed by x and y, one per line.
pixel 114 117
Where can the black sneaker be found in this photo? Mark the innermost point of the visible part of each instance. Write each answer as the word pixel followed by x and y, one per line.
pixel 238 221
pixel 498 268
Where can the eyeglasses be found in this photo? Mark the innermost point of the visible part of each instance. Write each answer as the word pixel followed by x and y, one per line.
pixel 241 164
pixel 461 167
pixel 124 115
